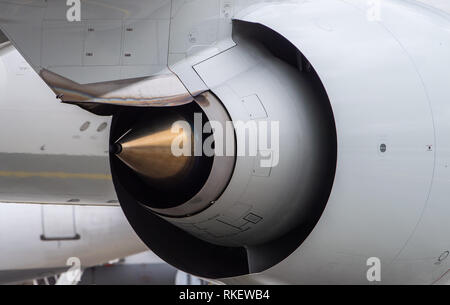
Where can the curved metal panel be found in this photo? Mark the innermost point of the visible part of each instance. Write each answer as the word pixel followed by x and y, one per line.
pixel 386 137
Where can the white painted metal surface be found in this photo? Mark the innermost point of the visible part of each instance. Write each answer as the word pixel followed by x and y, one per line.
pixel 59 222
pixel 50 152
pixel 104 235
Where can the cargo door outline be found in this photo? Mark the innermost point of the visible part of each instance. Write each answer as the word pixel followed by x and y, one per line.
pixel 58 223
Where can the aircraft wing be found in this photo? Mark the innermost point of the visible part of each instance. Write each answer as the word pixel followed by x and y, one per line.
pixel 102 41
pixel 82 48
pixel 113 40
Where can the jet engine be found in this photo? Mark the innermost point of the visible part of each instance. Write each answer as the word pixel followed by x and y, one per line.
pixel 268 173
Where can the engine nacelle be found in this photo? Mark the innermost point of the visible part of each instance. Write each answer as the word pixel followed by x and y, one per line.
pixel 274 144
pixel 262 188
pixel 351 182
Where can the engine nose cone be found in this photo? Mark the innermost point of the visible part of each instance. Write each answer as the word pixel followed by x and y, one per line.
pixel 115 148
pixel 147 149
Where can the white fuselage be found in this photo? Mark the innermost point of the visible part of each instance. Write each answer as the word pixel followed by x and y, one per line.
pixel 51 152
pixel 38 240
pixel 56 196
